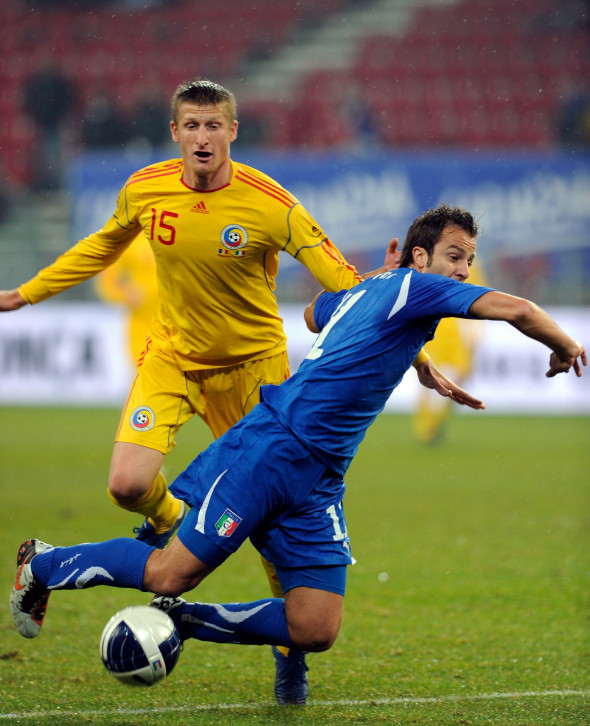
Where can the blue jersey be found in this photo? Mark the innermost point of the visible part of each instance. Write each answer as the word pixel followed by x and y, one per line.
pixel 370 335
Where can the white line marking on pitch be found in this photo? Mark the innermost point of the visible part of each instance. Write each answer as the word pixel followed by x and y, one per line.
pixel 311 704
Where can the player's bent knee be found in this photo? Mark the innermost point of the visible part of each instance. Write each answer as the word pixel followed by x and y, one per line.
pixel 313 617
pixel 314 639
pixel 126 491
pixel 318 645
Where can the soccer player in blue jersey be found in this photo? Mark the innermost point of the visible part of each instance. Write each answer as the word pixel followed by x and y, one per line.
pixel 277 476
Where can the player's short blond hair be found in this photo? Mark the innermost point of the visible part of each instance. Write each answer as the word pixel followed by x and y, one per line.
pixel 204 93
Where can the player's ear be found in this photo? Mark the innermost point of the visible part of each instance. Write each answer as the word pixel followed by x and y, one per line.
pixel 173 131
pixel 420 257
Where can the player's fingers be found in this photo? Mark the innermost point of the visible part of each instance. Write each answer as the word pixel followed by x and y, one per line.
pixel 466 399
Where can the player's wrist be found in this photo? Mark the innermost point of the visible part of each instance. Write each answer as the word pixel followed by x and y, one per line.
pixel 422 357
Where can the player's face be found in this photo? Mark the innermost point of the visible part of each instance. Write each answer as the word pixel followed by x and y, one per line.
pixel 205 134
pixel 453 254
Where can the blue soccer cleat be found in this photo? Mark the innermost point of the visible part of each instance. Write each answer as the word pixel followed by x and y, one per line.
pixel 291 685
pixel 147 532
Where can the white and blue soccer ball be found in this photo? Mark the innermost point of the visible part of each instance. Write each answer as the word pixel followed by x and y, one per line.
pixel 140 645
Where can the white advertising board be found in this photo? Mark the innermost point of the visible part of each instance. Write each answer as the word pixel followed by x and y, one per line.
pixel 64 353
pixel 75 354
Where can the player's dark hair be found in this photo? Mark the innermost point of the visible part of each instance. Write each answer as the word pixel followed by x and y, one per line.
pixel 203 93
pixel 425 230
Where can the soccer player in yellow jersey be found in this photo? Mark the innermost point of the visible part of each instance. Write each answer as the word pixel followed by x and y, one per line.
pixel 216 229
pixel 131 281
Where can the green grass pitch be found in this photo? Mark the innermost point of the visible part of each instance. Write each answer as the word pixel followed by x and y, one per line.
pixel 468 603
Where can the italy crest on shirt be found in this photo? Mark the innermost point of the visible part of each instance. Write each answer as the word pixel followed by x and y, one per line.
pixel 227 523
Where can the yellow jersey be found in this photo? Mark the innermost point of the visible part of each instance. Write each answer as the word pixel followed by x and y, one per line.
pixel 216 256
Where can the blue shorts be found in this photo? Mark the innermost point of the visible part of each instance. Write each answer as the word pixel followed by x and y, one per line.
pixel 258 481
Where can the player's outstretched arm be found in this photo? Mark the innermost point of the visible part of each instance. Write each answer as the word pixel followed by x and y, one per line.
pixel 11 300
pixel 430 377
pixel 532 321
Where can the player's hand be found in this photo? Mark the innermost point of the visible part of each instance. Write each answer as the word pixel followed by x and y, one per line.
pixel 561 363
pixel 11 300
pixel 430 377
pixel 393 255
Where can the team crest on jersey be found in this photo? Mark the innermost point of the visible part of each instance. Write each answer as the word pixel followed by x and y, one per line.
pixel 142 419
pixel 227 524
pixel 233 238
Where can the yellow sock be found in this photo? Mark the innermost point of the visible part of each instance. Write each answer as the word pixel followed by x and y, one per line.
pixel 157 504
pixel 276 590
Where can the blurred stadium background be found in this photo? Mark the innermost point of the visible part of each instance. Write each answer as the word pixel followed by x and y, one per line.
pixel 368 110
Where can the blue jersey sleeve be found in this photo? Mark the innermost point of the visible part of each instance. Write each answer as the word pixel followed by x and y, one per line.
pixel 440 297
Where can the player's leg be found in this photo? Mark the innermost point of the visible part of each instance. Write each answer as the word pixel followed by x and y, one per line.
pixel 308 619
pixel 129 563
pixel 132 466
pixel 42 568
pixel 121 562
pixel 313 617
pixel 156 408
pixel 314 598
pixel 303 569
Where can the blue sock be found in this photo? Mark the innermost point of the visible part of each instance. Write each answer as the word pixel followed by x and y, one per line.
pixel 262 622
pixel 117 562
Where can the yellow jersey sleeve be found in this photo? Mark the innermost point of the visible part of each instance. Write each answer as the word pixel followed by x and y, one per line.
pixel 309 245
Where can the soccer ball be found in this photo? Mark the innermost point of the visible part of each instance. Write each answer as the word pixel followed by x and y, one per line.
pixel 140 645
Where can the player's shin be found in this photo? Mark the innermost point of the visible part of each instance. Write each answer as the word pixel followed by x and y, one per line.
pixel 275 587
pixel 254 623
pixel 118 562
